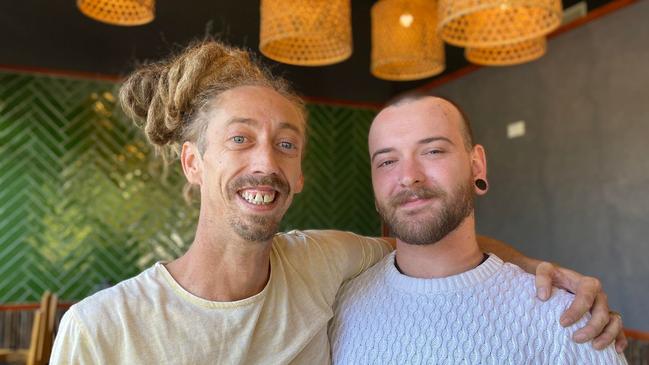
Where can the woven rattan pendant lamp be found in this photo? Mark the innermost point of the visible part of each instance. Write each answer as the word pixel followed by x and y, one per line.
pixel 119 12
pixel 405 44
pixel 306 32
pixel 488 23
pixel 509 54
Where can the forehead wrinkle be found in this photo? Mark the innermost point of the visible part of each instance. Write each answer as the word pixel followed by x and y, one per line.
pixel 242 120
pixel 254 123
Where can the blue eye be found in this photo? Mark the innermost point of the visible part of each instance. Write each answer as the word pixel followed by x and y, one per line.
pixel 287 145
pixel 238 139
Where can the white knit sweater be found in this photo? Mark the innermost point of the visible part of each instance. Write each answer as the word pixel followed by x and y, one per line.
pixel 488 315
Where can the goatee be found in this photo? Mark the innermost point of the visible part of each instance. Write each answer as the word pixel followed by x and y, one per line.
pixel 251 227
pixel 434 224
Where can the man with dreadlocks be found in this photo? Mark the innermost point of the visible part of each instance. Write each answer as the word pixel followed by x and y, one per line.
pixel 241 293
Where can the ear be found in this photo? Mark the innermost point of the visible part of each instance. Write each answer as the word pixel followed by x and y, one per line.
pixel 479 166
pixel 190 158
pixel 300 184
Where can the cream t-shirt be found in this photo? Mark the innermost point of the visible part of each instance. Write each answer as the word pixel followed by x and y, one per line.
pixel 151 319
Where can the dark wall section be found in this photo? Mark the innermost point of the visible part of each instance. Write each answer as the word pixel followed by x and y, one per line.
pixel 79 43
pixel 575 188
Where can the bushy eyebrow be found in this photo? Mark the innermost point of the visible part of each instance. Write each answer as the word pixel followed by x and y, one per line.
pixel 421 141
pixel 433 139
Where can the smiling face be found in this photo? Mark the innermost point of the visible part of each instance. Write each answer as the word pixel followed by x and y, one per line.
pixel 422 172
pixel 251 167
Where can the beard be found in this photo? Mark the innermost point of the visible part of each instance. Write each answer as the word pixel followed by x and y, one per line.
pixel 253 227
pixel 433 225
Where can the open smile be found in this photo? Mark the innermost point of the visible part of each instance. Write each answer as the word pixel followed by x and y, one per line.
pixel 259 196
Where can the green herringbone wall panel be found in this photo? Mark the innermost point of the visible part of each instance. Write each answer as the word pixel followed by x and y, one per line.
pixel 337 191
pixel 84 202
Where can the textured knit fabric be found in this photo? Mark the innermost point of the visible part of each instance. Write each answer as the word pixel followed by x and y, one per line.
pixel 151 319
pixel 488 315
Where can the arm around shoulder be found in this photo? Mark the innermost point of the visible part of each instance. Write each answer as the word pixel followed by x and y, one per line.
pixel 588 291
pixel 351 253
pixel 584 353
pixel 507 253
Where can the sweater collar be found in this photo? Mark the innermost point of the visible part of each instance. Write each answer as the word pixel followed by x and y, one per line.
pixel 451 283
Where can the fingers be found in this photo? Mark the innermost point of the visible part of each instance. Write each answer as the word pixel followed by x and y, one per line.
pixel 603 328
pixel 543 280
pixel 597 322
pixel 620 341
pixel 588 290
pixel 611 332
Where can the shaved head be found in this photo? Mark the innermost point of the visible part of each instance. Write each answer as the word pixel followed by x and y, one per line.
pixel 450 108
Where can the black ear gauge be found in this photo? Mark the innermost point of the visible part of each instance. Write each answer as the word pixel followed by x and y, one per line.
pixel 481 184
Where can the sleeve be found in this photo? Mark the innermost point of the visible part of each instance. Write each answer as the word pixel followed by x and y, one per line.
pixel 350 253
pixel 72 344
pixel 332 257
pixel 584 353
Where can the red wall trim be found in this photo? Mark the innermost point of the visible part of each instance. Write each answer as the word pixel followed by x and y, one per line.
pixel 30 306
pixel 592 15
pixel 448 77
pixel 63 73
pixel 635 334
pixel 115 78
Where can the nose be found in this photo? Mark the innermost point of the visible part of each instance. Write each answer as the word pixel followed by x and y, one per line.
pixel 410 173
pixel 264 160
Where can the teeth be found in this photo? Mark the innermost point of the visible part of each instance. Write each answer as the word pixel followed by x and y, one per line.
pixel 258 198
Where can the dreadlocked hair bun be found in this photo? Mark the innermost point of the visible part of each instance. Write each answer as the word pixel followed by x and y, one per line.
pixel 165 98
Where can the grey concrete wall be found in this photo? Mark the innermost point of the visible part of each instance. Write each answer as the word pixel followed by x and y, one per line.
pixel 575 188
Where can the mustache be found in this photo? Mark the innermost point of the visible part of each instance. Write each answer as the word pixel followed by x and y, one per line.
pixel 421 192
pixel 274 181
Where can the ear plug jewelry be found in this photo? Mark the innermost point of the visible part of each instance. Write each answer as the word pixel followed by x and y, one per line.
pixel 481 184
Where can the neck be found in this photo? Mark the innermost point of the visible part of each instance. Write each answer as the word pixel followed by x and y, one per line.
pixel 220 265
pixel 454 254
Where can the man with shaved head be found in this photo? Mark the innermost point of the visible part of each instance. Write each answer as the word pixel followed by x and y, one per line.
pixel 439 299
pixel 242 293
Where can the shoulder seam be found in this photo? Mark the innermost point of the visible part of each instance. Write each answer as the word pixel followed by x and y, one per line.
pixel 84 335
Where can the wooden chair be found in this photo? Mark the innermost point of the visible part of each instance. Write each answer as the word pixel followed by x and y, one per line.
pixel 49 329
pixel 38 333
pixel 40 345
pixel 637 353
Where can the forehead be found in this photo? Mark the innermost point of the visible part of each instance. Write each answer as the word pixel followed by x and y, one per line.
pixel 259 104
pixel 415 120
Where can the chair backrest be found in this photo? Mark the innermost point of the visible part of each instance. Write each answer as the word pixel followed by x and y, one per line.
pixel 45 312
pixel 37 332
pixel 42 334
pixel 49 328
